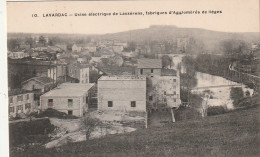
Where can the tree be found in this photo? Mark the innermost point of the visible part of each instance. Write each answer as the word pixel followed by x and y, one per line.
pixel 166 61
pixel 42 40
pixel 89 124
pixel 13 44
pixel 236 94
pixel 29 41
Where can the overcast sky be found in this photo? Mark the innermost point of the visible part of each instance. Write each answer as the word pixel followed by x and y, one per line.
pixel 237 16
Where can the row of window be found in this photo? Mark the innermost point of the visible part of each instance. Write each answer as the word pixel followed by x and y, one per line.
pixel 19 98
pixel 50 102
pixel 132 103
pixel 20 107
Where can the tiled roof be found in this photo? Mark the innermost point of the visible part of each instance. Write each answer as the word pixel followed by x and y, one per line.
pixel 149 63
pixel 43 79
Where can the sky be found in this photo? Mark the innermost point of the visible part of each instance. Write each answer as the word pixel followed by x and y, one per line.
pixel 236 16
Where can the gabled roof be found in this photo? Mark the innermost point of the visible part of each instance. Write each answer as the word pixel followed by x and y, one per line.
pixel 42 80
pixel 149 63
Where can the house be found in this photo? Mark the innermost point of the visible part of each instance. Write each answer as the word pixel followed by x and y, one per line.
pixel 149 67
pixel 53 49
pixel 164 90
pixel 21 102
pixel 41 83
pixel 91 48
pixel 122 93
pixel 56 71
pixel 62 46
pixel 70 98
pixel 76 48
pixel 18 55
pixel 79 71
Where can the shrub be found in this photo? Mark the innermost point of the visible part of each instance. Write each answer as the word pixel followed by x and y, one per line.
pixel 54 113
pixel 184 113
pixel 236 94
pixel 215 110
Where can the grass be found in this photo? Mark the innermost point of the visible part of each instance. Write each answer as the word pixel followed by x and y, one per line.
pixel 232 134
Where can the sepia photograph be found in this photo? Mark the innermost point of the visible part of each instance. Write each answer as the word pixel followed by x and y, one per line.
pixel 133 78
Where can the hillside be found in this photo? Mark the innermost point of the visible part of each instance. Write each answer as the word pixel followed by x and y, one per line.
pixel 208 37
pixel 159 33
pixel 233 134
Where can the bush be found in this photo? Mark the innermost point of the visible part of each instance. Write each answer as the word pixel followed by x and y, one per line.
pixel 21 132
pixel 184 113
pixel 236 94
pixel 54 113
pixel 215 110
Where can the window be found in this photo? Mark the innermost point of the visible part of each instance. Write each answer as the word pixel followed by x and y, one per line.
pixel 70 112
pixel 11 100
pixel 174 93
pixel 164 92
pixel 70 102
pixel 27 96
pixel 110 103
pixel 133 104
pixel 50 102
pixel 20 98
pixel 19 107
pixel 141 71
pixel 151 70
pixel 11 109
pixel 28 106
pixel 174 80
pixel 150 98
pixel 86 99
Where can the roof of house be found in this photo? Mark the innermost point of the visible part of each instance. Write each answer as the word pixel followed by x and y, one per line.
pixel 168 72
pixel 122 77
pixel 149 63
pixel 69 90
pixel 42 79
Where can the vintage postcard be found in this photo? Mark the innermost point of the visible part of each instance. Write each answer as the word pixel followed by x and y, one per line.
pixel 133 78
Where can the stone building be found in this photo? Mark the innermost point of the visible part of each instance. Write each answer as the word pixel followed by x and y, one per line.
pixel 122 93
pixel 70 98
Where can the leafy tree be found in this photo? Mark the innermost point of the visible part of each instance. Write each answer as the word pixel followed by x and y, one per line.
pixel 166 61
pixel 236 94
pixel 42 40
pixel 13 44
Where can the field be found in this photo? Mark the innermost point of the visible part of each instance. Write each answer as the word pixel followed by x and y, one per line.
pixel 232 134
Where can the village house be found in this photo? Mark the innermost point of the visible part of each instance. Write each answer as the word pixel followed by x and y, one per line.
pixel 21 102
pixel 79 71
pixel 70 98
pixel 163 85
pixel 122 93
pixel 38 83
pixel 18 55
pixel 164 91
pixel 76 48
pixel 56 71
pixel 149 67
pixel 90 48
pixel 62 46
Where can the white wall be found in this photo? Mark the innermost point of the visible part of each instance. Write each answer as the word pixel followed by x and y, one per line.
pixel 122 93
